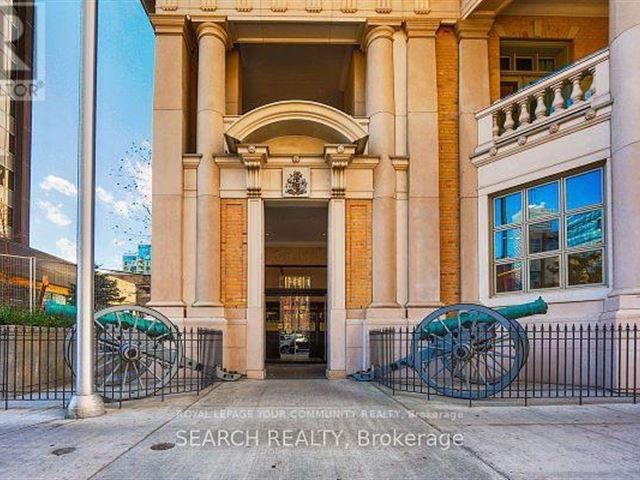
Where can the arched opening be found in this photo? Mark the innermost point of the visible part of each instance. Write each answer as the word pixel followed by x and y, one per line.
pixel 296 126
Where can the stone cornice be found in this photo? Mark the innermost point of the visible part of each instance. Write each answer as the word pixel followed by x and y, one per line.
pixel 422 28
pixel 474 28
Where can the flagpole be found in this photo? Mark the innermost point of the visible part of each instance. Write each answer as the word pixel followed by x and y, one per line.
pixel 85 402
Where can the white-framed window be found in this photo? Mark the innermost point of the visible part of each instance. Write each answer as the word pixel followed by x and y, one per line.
pixel 549 235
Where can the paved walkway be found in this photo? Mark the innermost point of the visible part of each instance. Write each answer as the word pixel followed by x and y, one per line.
pixel 320 429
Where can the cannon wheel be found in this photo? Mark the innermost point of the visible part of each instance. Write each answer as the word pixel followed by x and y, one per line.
pixel 130 363
pixel 474 360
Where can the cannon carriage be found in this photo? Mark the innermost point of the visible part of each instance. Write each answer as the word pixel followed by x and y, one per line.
pixel 138 351
pixel 466 351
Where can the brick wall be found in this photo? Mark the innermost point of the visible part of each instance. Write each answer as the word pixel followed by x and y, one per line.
pixel 447 69
pixel 358 261
pixel 234 252
pixel 587 35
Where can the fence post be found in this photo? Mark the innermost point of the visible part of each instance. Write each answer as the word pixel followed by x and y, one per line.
pixel 635 362
pixel 4 342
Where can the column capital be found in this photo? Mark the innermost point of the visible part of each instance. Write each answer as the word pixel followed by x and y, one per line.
pixel 174 25
pixel 338 157
pixel 474 28
pixel 169 24
pixel 377 31
pixel 401 165
pixel 422 28
pixel 253 158
pixel 191 161
pixel 215 29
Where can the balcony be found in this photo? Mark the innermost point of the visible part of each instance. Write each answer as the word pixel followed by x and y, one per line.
pixel 554 107
pixel 547 131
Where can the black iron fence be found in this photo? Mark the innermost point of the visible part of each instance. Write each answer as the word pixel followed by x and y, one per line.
pixel 37 363
pixel 557 361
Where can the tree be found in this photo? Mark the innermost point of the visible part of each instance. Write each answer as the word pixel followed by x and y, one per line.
pixel 106 292
pixel 133 176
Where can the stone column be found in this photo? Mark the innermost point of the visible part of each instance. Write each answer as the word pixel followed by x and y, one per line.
pixel 212 43
pixel 169 113
pixel 338 158
pixel 190 163
pixel 253 157
pixel 624 32
pixel 381 112
pixel 234 83
pixel 473 96
pixel 400 90
pixel 424 185
pixel 401 164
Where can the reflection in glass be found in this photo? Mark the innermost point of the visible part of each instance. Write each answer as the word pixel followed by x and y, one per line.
pixel 507 209
pixel 507 243
pixel 544 273
pixel 585 268
pixel 544 236
pixel 543 200
pixel 584 189
pixel 509 277
pixel 584 228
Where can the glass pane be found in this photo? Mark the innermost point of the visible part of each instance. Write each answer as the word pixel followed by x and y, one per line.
pixel 547 64
pixel 524 63
pixel 542 200
pixel 544 273
pixel 584 229
pixel 509 277
pixel 584 189
pixel 544 236
pixel 507 209
pixel 585 268
pixel 507 243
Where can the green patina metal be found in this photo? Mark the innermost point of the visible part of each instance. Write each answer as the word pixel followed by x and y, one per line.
pixel 513 312
pixel 126 320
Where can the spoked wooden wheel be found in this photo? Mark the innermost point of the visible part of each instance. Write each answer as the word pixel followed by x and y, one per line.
pixel 469 351
pixel 137 351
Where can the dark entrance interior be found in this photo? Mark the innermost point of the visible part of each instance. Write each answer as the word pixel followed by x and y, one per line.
pixel 295 289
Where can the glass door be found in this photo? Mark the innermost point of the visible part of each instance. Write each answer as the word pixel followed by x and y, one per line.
pixel 296 325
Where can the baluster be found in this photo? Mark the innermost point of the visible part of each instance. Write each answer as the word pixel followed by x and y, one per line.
pixel 508 119
pixel 524 112
pixel 576 90
pixel 592 87
pixel 541 108
pixel 558 101
pixel 496 127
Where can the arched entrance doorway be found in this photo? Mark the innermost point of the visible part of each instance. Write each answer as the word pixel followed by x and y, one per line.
pixel 296 155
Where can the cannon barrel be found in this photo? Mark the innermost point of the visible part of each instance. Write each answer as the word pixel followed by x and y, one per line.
pixel 512 312
pixel 153 329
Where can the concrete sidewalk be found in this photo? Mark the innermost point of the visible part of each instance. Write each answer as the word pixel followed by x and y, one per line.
pixel 320 429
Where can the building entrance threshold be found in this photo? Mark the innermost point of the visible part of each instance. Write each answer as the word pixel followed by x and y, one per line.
pixel 295 370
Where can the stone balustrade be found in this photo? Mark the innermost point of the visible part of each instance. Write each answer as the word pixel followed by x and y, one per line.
pixel 545 104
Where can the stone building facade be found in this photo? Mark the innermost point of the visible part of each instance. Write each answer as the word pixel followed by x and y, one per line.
pixel 333 167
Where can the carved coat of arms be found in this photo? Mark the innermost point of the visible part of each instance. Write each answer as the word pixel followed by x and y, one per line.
pixel 296 185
